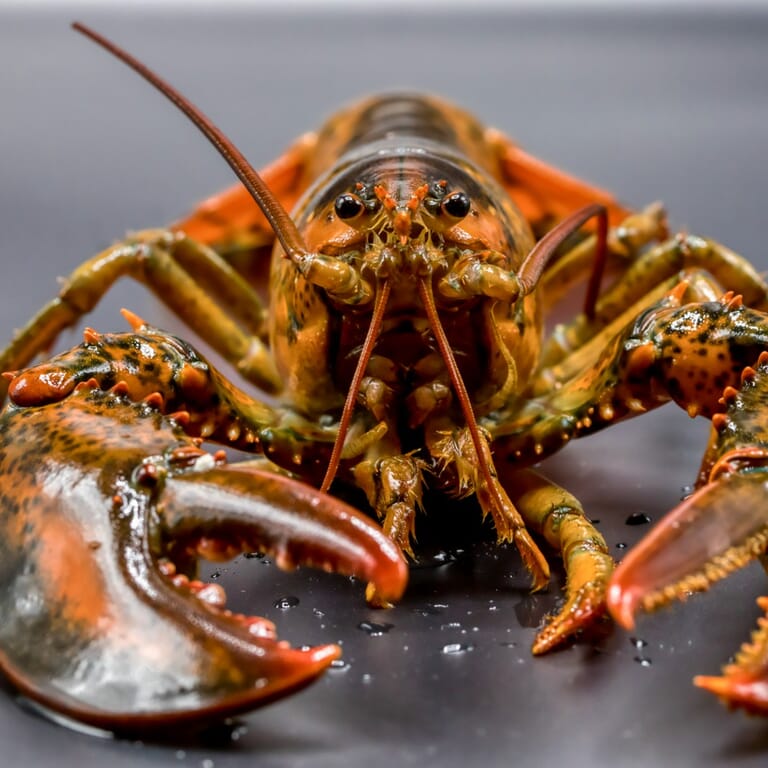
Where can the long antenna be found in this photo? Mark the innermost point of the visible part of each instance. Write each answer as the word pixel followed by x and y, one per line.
pixel 354 388
pixel 282 224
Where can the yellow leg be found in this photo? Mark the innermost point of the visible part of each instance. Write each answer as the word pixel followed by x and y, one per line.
pixel 191 279
pixel 643 276
pixel 556 515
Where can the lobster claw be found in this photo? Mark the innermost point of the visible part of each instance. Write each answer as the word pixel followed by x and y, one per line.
pixel 713 532
pixel 101 495
pixel 744 683
pixel 720 528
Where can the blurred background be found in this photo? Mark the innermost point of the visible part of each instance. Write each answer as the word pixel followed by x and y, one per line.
pixel 653 101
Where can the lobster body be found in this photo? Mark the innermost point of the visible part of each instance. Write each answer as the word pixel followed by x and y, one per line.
pixel 400 143
pixel 407 299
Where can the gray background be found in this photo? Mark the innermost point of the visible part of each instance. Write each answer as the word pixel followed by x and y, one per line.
pixel 654 105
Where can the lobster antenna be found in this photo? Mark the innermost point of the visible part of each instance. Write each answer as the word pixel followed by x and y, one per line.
pixel 282 224
pixel 354 388
pixel 546 248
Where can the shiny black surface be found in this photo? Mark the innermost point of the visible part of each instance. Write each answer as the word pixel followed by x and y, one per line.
pixel 668 106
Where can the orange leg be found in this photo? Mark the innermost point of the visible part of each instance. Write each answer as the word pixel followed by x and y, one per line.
pixel 544 193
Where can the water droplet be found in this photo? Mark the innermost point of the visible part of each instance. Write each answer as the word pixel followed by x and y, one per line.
pixel 642 661
pixel 456 649
pixel 427 610
pixel 339 665
pixel 366 678
pixel 508 644
pixel 686 491
pixel 638 518
pixel 451 625
pixel 253 555
pixel 207 763
pixel 317 612
pixel 638 642
pixel 621 545
pixel 286 602
pixel 374 630
pixel 216 575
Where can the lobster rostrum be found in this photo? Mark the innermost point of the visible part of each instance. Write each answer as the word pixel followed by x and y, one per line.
pixel 408 294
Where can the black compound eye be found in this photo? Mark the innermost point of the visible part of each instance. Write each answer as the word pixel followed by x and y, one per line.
pixel 348 206
pixel 456 205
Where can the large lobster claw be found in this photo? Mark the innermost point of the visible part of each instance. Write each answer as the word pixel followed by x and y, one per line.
pixel 100 496
pixel 718 529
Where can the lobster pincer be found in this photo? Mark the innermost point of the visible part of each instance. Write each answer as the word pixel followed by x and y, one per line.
pixel 722 526
pixel 107 505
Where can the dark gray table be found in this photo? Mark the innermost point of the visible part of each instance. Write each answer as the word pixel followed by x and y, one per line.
pixel 665 106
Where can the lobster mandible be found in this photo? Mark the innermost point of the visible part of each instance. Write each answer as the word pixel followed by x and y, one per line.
pixel 408 296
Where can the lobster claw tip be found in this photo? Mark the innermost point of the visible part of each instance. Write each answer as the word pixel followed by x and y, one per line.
pixel 748 693
pixel 715 531
pixel 622 602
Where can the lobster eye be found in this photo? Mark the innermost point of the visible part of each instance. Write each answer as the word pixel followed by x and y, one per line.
pixel 456 205
pixel 348 206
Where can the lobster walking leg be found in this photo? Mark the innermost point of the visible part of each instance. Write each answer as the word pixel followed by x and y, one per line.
pixel 175 268
pixel 558 516
pixel 544 193
pixel 645 273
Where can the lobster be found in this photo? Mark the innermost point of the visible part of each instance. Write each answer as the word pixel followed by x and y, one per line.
pixel 408 296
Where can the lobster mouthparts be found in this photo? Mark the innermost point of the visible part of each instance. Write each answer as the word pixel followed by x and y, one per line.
pixel 107 505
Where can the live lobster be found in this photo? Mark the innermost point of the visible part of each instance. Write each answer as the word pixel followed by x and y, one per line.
pixel 408 295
